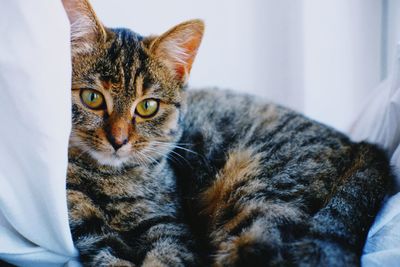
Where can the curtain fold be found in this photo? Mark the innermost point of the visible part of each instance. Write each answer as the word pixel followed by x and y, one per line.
pixel 35 78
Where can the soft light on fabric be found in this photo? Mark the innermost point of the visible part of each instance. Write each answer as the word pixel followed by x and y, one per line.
pixel 35 77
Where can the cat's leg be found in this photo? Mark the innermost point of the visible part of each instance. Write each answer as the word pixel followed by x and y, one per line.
pixel 338 231
pixel 170 244
pixel 246 227
pixel 96 243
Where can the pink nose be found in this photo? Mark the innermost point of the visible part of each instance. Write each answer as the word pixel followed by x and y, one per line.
pixel 118 134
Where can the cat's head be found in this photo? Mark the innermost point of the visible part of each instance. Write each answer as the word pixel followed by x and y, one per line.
pixel 127 90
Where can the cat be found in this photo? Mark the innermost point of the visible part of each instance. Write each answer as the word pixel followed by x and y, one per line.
pixel 126 111
pixel 164 176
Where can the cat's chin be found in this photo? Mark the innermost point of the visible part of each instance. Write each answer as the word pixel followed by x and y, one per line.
pixel 109 159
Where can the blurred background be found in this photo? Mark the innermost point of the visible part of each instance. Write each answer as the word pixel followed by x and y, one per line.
pixel 323 58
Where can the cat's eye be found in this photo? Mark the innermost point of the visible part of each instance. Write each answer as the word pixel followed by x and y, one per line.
pixel 92 99
pixel 147 108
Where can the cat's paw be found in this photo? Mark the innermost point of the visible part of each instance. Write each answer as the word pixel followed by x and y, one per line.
pixel 169 253
pixel 121 263
pixel 103 259
pixel 153 262
pixel 246 251
pixel 115 263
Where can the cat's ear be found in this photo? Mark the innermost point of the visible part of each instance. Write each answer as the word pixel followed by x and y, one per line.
pixel 86 29
pixel 178 47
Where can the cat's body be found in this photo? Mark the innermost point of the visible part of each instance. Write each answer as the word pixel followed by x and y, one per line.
pixel 122 217
pixel 260 185
pixel 266 186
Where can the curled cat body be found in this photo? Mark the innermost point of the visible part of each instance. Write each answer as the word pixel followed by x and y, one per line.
pixel 160 175
pixel 267 186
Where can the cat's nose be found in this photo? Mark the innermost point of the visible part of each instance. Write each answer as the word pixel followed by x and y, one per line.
pixel 117 143
pixel 118 134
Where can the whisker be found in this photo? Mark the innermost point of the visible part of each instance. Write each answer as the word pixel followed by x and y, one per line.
pixel 175 145
pixel 170 153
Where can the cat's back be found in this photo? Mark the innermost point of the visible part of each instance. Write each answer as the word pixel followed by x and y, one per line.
pixel 225 128
pixel 244 118
pixel 224 119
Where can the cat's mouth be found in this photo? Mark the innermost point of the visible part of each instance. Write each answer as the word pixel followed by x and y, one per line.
pixel 129 155
pixel 112 158
pixel 124 156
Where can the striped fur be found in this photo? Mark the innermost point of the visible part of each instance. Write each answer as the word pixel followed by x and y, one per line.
pixel 122 198
pixel 123 217
pixel 269 187
pixel 231 178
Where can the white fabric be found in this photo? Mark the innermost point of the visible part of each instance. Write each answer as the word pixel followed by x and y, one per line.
pixel 383 244
pixel 35 77
pixel 379 123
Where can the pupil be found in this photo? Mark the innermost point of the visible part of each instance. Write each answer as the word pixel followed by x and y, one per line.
pixel 146 105
pixel 92 97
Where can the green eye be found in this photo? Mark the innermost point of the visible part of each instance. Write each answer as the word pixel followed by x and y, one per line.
pixel 92 99
pixel 147 108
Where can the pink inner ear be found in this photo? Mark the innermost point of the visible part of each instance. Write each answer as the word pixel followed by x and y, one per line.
pixel 180 71
pixel 178 47
pixel 190 48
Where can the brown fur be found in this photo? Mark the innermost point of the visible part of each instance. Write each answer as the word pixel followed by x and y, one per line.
pixel 260 184
pixel 122 198
pixel 240 166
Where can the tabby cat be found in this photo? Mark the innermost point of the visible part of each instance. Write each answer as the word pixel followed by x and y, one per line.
pixel 161 176
pixel 126 115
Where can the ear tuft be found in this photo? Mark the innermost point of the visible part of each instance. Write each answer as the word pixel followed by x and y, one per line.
pixel 86 29
pixel 178 47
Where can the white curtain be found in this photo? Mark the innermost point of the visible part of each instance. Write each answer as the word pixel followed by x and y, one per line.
pixel 35 77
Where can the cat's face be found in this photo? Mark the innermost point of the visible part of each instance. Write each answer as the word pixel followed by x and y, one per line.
pixel 127 93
